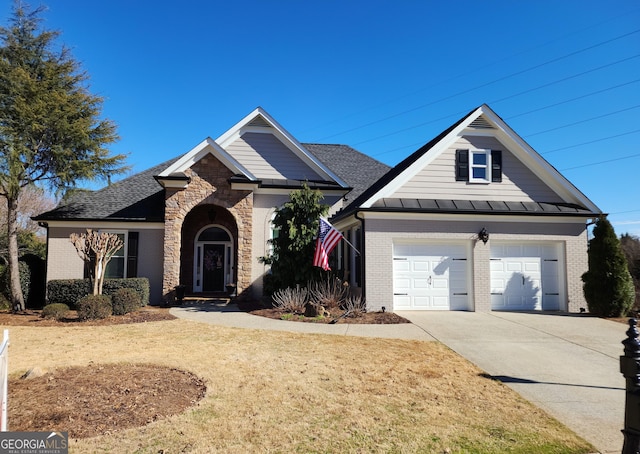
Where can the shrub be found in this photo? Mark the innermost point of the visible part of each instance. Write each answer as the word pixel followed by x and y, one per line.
pixel 355 305
pixel 69 291
pixel 125 300
pixel 329 293
pixel 291 300
pixel 139 284
pixel 32 272
pixel 608 287
pixel 5 304
pixel 32 280
pixel 94 307
pixel 56 311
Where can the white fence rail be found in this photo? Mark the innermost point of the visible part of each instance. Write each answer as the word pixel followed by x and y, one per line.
pixel 4 372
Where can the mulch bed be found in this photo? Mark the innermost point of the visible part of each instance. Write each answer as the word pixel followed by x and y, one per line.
pixel 34 318
pixel 99 399
pixel 371 318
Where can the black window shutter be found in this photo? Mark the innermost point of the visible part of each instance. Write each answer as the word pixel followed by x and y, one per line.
pixel 496 166
pixel 462 165
pixel 132 255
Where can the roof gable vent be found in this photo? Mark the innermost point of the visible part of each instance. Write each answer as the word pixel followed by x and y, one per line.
pixel 259 122
pixel 481 123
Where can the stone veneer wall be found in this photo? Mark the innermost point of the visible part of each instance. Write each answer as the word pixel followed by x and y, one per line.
pixel 209 185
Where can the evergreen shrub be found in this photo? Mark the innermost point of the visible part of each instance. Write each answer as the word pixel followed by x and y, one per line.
pixel 608 286
pixel 125 300
pixel 56 311
pixel 94 307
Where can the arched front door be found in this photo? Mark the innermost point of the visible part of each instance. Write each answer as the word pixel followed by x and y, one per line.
pixel 213 259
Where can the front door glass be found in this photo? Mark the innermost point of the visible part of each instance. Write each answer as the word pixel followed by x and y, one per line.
pixel 213 268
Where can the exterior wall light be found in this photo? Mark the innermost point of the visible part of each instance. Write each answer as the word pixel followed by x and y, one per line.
pixel 483 235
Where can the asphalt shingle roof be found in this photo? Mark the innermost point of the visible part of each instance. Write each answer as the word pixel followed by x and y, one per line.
pixel 136 198
pixel 140 197
pixel 357 169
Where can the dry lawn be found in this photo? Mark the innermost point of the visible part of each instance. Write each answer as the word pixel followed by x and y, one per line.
pixel 286 392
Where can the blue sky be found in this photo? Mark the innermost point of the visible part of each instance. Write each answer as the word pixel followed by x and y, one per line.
pixel 382 76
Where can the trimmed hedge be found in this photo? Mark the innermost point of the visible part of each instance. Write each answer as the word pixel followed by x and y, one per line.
pixel 125 300
pixel 139 284
pixel 70 291
pixel 94 307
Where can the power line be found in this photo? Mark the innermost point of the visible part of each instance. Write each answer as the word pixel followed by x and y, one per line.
pixel 583 121
pixel 573 99
pixel 602 162
pixel 592 141
pixel 493 102
pixel 500 79
pixel 564 79
pixel 478 68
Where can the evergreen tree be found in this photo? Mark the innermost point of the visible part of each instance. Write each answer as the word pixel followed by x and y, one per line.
pixel 608 287
pixel 631 248
pixel 50 127
pixel 297 225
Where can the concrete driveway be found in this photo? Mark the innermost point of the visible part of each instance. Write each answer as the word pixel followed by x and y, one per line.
pixel 566 364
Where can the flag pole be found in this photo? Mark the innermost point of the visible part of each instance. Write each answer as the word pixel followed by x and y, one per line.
pixel 347 241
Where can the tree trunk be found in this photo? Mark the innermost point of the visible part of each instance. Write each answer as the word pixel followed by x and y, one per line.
pixel 98 276
pixel 17 299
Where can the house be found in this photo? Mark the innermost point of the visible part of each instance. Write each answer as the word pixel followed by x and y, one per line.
pixel 203 219
pixel 473 220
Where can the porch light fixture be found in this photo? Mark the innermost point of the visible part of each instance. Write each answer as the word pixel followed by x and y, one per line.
pixel 483 235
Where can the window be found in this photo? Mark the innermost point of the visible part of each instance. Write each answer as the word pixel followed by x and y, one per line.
pixel 479 166
pixel 274 232
pixel 124 263
pixel 116 266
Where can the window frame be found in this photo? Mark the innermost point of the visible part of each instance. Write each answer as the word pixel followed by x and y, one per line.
pixel 124 256
pixel 487 166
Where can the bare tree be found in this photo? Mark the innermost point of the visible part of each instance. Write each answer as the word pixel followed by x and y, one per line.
pixel 96 248
pixel 31 201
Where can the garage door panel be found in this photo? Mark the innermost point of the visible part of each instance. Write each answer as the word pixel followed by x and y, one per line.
pixel 401 283
pixel 440 283
pixel 513 266
pixel 433 271
pixel 527 275
pixel 401 302
pixel 420 265
pixel 420 283
pixel 401 266
pixel 421 302
pixel 440 302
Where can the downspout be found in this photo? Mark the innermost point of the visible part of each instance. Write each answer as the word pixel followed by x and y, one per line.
pixel 362 258
pixel 45 225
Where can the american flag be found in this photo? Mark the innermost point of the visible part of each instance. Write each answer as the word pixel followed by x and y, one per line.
pixel 328 239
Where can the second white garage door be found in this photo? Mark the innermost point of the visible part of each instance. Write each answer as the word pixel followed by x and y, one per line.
pixel 430 277
pixel 526 276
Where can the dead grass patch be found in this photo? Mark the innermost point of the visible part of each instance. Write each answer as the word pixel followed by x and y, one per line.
pixel 292 392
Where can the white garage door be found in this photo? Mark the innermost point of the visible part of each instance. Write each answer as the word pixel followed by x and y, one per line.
pixel 430 277
pixel 526 277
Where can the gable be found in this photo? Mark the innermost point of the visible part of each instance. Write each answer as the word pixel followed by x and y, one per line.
pixel 265 156
pixel 430 180
pixel 438 179
pixel 257 148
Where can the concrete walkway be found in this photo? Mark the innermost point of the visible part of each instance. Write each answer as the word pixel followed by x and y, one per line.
pixel 566 364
